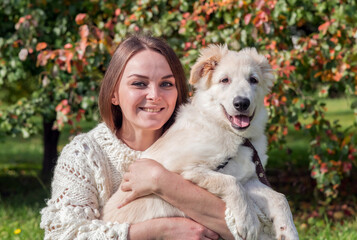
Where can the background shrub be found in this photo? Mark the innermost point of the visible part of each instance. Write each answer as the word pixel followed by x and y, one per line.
pixel 54 53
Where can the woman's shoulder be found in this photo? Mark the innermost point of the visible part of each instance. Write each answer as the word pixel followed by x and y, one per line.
pixel 87 142
pixel 96 136
pixel 102 141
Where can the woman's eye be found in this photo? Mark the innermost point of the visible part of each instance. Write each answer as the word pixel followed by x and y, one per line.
pixel 139 84
pixel 225 80
pixel 167 84
pixel 253 80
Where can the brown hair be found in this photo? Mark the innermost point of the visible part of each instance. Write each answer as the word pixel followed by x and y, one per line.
pixel 111 114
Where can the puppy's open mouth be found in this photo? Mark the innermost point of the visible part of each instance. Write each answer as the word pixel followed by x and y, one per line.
pixel 239 122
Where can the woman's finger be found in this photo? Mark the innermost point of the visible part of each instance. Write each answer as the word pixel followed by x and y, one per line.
pixel 125 187
pixel 126 177
pixel 210 234
pixel 209 238
pixel 127 200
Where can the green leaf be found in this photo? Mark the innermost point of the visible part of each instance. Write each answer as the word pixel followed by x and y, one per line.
pixel 227 17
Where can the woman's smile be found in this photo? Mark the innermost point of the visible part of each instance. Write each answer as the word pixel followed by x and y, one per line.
pixel 151 110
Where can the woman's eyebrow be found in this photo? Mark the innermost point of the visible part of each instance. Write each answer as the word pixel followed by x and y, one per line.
pixel 145 77
pixel 138 76
pixel 168 76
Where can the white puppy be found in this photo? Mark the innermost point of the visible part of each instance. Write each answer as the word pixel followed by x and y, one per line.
pixel 227 108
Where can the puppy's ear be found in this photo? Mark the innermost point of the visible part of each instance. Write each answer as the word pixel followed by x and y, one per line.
pixel 265 68
pixel 207 62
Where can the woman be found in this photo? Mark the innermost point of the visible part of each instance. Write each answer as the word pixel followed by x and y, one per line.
pixel 140 92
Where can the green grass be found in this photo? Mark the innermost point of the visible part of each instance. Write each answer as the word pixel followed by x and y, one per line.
pixel 22 197
pixel 19 153
pixel 339 109
pixel 323 229
pixel 295 151
pixel 23 194
pixel 298 141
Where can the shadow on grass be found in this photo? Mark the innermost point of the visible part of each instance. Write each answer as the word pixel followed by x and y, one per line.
pixel 307 202
pixel 22 187
pixel 22 196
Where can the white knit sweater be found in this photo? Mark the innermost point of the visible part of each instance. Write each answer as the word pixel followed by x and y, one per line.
pixel 89 170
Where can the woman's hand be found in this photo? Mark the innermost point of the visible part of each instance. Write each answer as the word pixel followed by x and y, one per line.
pixel 184 228
pixel 141 179
pixel 171 229
pixel 146 176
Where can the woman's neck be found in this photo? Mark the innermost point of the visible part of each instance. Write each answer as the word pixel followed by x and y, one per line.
pixel 139 140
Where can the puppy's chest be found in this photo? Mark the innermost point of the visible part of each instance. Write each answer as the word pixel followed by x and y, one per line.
pixel 229 156
pixel 238 164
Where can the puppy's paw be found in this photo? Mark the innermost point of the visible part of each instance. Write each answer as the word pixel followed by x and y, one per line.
pixel 286 232
pixel 248 225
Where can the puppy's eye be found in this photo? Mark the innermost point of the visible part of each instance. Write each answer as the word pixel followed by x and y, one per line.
pixel 253 80
pixel 225 81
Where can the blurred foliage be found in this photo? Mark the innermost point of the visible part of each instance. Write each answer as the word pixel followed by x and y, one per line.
pixel 57 52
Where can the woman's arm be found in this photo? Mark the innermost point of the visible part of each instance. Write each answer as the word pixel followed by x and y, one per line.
pixel 170 228
pixel 147 176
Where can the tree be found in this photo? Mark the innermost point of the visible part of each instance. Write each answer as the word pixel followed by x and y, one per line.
pixel 26 60
pixel 311 45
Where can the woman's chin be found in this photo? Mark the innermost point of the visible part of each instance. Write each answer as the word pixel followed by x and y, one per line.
pixel 151 125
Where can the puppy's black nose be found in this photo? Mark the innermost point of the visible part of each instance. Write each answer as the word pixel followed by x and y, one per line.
pixel 241 103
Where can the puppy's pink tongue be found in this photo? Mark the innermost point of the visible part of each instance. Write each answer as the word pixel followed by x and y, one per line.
pixel 241 121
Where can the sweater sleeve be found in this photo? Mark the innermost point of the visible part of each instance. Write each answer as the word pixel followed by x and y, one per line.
pixel 73 210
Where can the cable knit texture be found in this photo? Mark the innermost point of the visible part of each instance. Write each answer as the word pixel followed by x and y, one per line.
pixel 89 170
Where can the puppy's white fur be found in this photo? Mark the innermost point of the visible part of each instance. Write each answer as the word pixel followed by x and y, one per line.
pixel 203 137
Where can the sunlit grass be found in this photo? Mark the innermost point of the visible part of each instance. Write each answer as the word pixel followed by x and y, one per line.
pixel 323 229
pixel 17 152
pixel 23 193
pixel 22 196
pixel 339 110
pixel 20 222
pixel 21 151
pixel 298 141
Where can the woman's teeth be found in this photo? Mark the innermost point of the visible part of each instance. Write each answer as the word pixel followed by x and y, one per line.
pixel 153 110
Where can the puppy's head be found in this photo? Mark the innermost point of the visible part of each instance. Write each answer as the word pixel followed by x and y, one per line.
pixel 233 82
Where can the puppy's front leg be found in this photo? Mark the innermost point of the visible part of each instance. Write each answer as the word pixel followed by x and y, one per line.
pixel 233 194
pixel 275 206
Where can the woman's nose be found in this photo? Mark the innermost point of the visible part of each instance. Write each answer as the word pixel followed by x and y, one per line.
pixel 154 94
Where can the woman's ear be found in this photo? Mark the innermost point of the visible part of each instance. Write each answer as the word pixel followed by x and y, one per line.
pixel 115 98
pixel 205 65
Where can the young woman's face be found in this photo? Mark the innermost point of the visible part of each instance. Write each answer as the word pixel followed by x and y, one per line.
pixel 147 92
